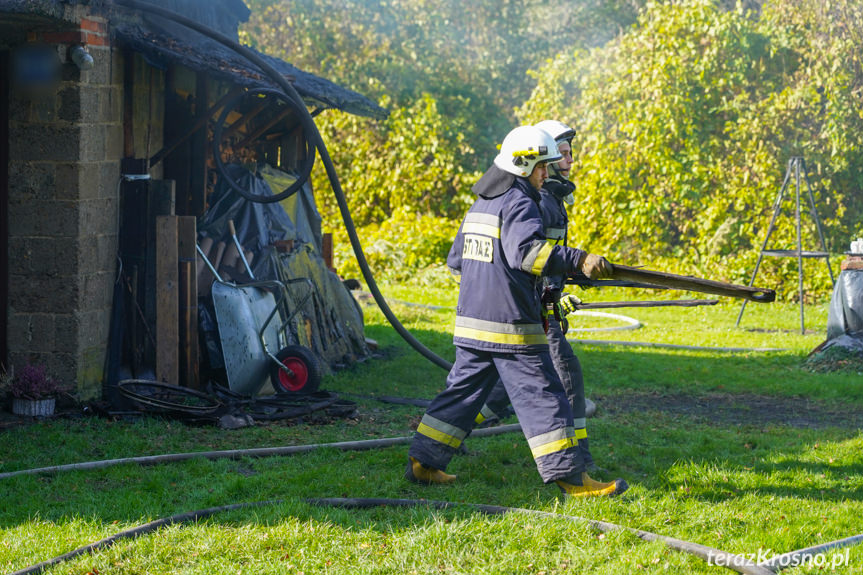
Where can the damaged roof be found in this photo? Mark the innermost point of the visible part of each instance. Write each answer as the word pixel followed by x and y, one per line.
pixel 205 55
pixel 164 43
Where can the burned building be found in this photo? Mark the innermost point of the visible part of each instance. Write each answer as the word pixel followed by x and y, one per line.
pixel 108 186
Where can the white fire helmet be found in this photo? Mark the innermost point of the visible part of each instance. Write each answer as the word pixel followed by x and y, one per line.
pixel 561 133
pixel 558 130
pixel 523 148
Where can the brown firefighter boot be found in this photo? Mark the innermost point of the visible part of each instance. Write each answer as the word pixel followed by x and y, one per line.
pixel 419 473
pixel 583 486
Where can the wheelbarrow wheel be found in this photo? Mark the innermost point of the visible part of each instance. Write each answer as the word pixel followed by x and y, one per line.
pixel 305 376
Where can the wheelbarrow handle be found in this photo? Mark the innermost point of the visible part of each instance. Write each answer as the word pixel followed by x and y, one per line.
pixel 233 232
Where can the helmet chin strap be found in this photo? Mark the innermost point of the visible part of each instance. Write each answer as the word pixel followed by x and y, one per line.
pixel 553 172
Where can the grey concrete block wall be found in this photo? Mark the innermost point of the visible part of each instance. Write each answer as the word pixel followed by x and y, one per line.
pixel 64 165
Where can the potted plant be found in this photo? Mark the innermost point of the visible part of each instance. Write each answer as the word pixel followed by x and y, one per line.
pixel 33 391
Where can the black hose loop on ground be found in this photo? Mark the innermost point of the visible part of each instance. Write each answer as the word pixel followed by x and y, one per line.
pixel 315 135
pixel 137 532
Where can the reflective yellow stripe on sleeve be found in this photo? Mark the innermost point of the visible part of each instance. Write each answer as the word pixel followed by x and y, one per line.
pixel 541 259
pixel 555 235
pixel 537 257
pixel 580 433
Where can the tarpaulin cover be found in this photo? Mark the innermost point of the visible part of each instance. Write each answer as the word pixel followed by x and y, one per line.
pixel 258 225
pixel 845 315
pixel 329 321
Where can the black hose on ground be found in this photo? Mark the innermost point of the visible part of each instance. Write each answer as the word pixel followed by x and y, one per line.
pixel 137 532
pixel 714 556
pixel 717 556
pixel 315 135
pixel 252 452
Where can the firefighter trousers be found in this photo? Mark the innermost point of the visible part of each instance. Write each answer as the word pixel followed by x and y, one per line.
pixel 568 369
pixel 537 397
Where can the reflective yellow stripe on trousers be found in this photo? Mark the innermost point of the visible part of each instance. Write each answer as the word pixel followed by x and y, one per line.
pixel 441 431
pixel 484 413
pixel 551 442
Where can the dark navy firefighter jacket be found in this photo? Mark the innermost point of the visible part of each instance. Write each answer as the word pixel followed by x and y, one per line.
pixel 555 219
pixel 499 256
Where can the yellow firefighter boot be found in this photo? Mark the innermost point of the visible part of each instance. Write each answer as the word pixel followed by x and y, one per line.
pixel 419 473
pixel 584 486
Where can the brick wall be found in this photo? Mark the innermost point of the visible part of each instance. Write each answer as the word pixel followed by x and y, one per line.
pixel 64 163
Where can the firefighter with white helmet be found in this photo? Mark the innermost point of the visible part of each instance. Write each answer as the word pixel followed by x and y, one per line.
pixel 556 190
pixel 500 254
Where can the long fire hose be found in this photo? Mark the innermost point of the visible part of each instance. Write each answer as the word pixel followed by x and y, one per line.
pixel 717 557
pixel 315 135
pixel 733 561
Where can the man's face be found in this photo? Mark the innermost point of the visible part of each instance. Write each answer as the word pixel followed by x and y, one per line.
pixel 565 163
pixel 539 174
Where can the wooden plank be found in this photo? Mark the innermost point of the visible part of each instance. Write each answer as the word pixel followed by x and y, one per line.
pixel 159 201
pixel 187 255
pixel 327 250
pixel 199 149
pixel 167 300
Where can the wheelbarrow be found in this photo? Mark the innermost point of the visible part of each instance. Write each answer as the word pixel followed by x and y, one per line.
pixel 254 338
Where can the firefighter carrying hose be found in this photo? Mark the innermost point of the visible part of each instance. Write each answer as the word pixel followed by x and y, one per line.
pixel 500 255
pixel 556 191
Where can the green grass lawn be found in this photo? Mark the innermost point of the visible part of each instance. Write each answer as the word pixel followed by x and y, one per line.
pixel 745 451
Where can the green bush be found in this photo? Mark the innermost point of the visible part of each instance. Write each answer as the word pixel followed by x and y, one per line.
pixel 406 247
pixel 406 163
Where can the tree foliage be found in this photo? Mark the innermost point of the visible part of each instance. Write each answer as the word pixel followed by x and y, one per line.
pixel 451 74
pixel 687 117
pixel 410 161
pixel 687 123
pixel 404 185
pixel 471 57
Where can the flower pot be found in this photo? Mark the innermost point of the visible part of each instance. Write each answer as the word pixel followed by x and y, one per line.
pixel 33 407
